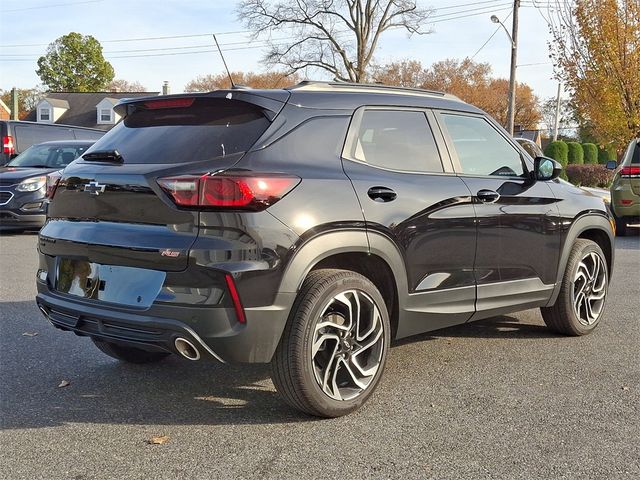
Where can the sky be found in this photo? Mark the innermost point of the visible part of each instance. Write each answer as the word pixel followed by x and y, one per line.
pixel 459 30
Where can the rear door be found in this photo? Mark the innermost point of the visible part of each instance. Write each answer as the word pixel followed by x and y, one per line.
pixel 518 230
pixel 409 193
pixel 109 208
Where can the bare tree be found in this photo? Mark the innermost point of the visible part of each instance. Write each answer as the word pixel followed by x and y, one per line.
pixel 339 36
pixel 122 85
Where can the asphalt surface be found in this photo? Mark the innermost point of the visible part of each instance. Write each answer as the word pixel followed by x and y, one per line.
pixel 502 398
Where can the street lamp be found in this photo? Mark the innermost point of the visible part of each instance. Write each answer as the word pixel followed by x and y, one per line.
pixel 513 38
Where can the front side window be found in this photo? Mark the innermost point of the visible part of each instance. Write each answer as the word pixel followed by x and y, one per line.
pixel 397 140
pixel 45 114
pixel 480 148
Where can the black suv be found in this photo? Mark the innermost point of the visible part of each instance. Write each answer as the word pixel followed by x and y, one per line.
pixel 308 227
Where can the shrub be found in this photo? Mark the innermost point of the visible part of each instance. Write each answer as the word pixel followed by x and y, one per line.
pixel 603 156
pixel 592 175
pixel 590 153
pixel 559 151
pixel 576 155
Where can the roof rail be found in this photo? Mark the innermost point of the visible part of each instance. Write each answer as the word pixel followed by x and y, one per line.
pixel 316 84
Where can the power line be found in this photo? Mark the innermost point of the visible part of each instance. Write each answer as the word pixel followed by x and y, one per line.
pixel 50 6
pixel 492 35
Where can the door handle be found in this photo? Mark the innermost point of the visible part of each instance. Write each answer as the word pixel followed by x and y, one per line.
pixel 381 194
pixel 488 196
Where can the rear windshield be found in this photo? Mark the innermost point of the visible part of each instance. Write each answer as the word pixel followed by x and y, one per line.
pixel 208 128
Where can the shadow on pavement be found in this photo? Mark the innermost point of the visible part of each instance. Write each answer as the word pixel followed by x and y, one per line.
pixel 173 391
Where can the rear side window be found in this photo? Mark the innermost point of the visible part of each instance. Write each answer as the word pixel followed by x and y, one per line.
pixel 480 148
pixel 397 140
pixel 27 135
pixel 207 129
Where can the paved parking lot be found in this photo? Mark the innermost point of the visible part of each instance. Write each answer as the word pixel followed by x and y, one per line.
pixel 502 398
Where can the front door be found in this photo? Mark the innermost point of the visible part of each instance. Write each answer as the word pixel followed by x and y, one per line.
pixel 402 174
pixel 518 232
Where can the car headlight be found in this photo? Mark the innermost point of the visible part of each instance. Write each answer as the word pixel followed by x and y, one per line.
pixel 31 184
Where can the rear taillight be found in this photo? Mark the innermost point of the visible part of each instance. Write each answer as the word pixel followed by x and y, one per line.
pixel 630 172
pixel 235 298
pixel 8 148
pixel 242 192
pixel 52 183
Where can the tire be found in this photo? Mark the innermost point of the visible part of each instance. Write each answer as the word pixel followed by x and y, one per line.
pixel 621 226
pixel 587 274
pixel 347 365
pixel 128 354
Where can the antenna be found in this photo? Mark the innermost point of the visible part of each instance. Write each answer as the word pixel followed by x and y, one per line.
pixel 233 85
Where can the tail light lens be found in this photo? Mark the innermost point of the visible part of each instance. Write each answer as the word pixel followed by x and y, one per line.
pixel 252 192
pixel 8 147
pixel 52 183
pixel 630 172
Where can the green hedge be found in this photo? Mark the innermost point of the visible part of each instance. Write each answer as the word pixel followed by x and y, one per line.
pixel 590 153
pixel 606 153
pixel 576 154
pixel 559 151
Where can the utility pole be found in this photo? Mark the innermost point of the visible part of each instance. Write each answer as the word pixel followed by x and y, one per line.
pixel 556 125
pixel 511 112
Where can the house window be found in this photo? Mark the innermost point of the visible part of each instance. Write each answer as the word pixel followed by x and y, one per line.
pixel 45 114
pixel 105 115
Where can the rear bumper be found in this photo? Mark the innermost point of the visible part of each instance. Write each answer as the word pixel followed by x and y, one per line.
pixel 213 331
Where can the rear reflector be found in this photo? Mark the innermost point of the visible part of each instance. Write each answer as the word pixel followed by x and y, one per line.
pixel 630 172
pixel 243 192
pixel 8 148
pixel 169 103
pixel 235 298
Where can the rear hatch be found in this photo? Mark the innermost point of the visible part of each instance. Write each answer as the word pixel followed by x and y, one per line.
pixel 108 207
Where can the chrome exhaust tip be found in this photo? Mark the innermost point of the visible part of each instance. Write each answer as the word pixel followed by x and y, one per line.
pixel 187 349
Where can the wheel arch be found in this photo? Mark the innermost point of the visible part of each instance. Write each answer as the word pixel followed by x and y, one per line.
pixel 374 256
pixel 591 226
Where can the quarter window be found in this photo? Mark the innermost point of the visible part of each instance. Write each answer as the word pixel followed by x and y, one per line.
pixel 397 140
pixel 481 149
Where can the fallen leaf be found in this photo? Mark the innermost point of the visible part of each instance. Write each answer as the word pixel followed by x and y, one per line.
pixel 64 383
pixel 161 440
pixel 30 334
pixel 625 388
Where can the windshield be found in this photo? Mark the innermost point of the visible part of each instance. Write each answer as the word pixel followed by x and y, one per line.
pixel 48 156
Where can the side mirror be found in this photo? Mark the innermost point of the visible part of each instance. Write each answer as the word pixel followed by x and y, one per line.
pixel 545 168
pixel 612 165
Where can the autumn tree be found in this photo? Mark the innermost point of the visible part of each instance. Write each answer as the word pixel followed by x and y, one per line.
pixel 273 79
pixel 121 85
pixel 28 98
pixel 596 49
pixel 337 36
pixel 74 63
pixel 468 80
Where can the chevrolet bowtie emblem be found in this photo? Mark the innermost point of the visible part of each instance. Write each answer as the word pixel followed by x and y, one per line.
pixel 94 188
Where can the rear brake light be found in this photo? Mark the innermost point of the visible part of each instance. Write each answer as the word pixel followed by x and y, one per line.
pixel 52 183
pixel 630 171
pixel 8 148
pixel 243 192
pixel 169 103
pixel 235 298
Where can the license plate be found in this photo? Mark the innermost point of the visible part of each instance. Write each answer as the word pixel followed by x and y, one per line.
pixel 109 283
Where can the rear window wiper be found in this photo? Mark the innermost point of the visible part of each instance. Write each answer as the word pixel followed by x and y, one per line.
pixel 112 156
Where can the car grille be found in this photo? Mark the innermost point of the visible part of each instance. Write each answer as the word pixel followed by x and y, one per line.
pixel 5 197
